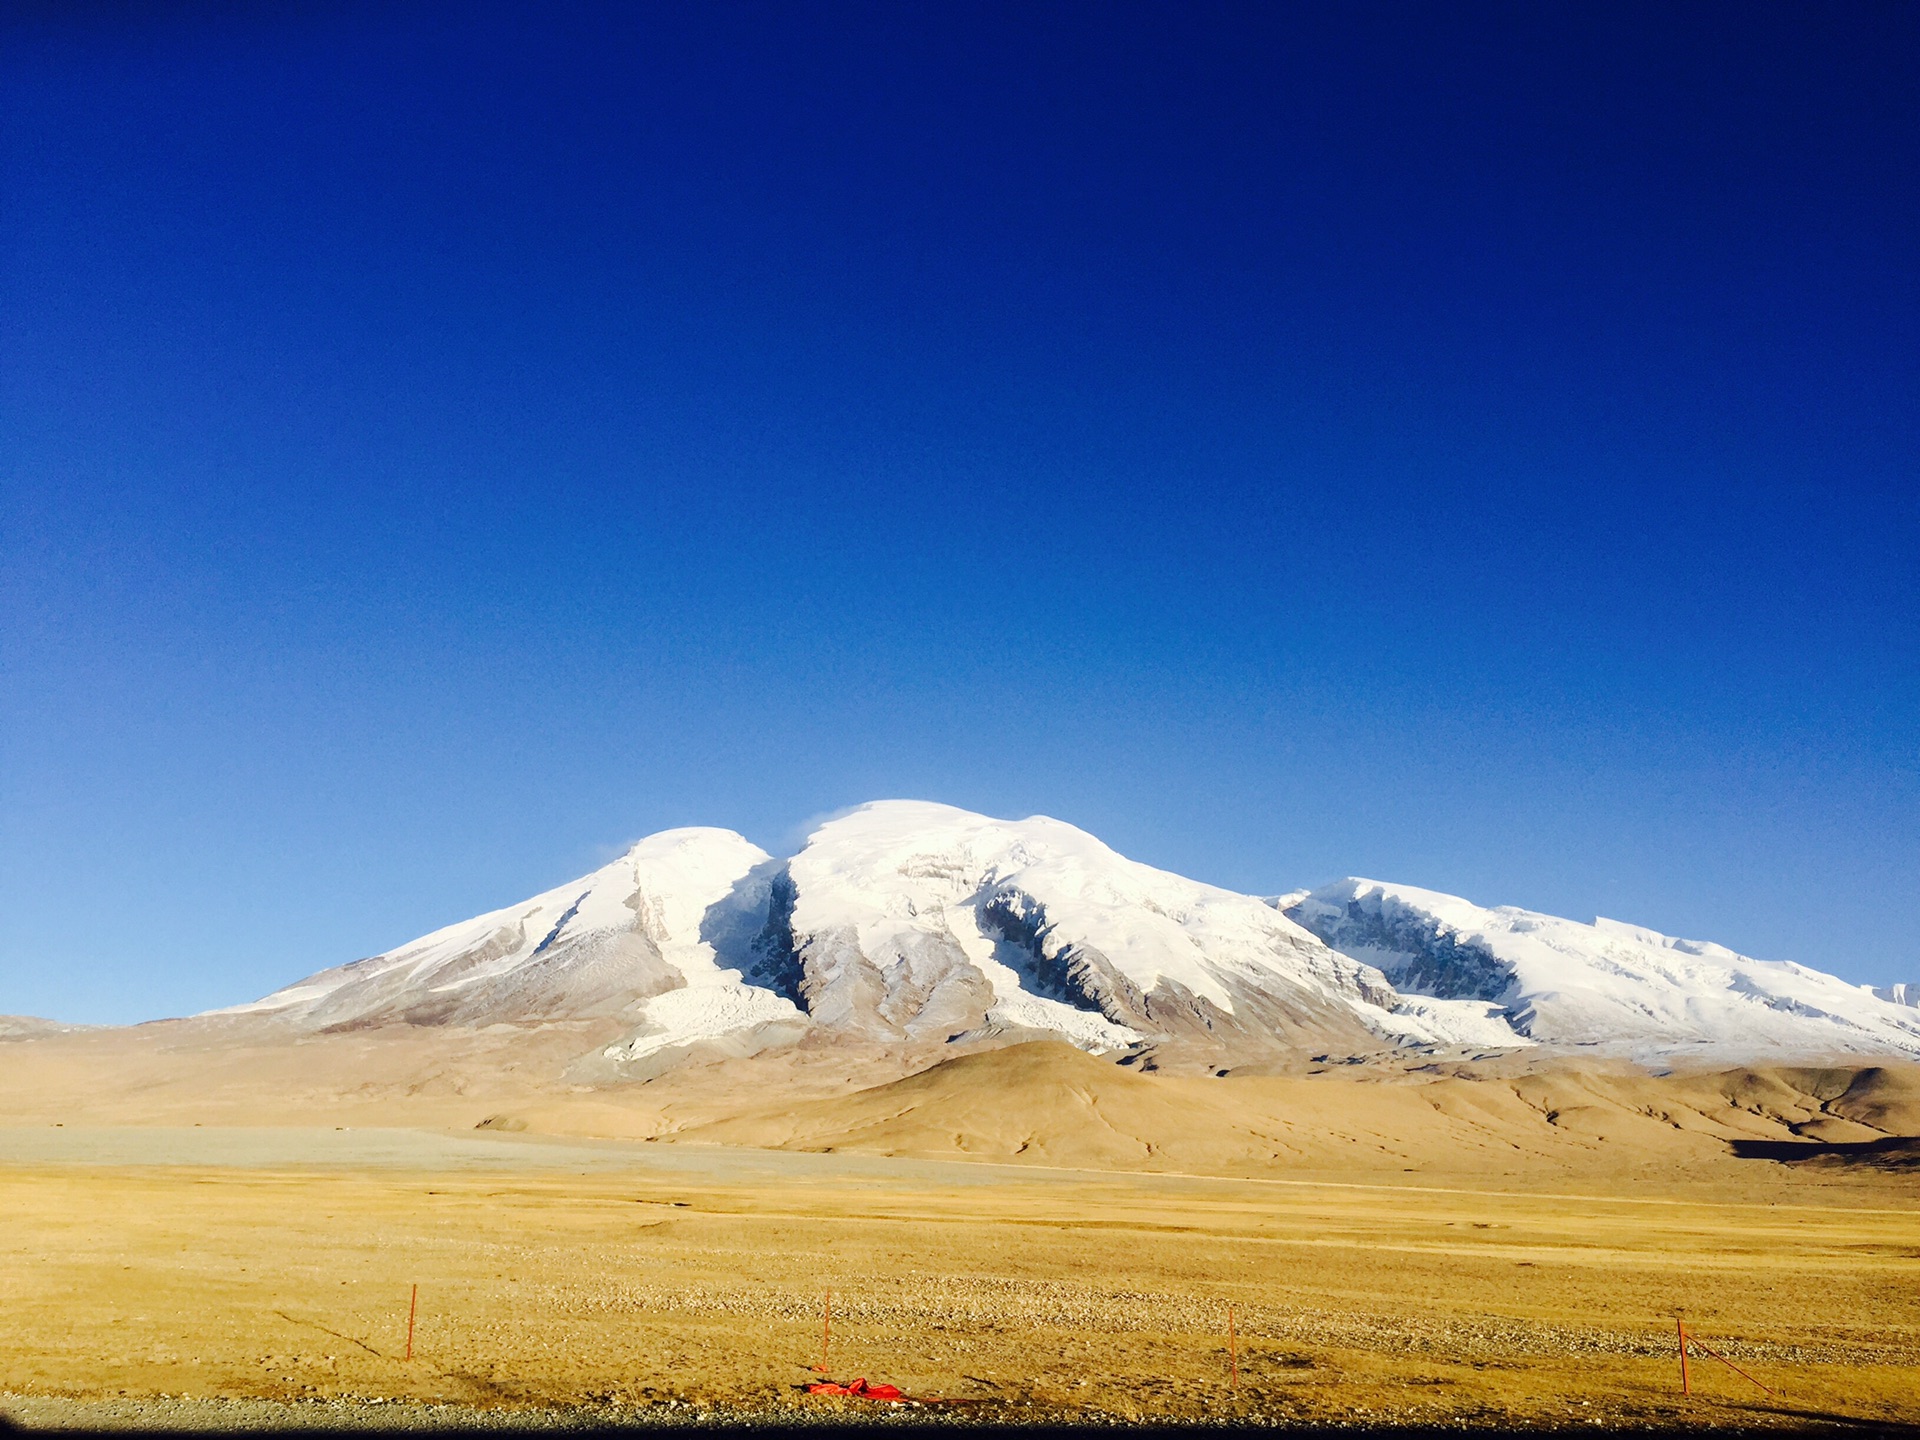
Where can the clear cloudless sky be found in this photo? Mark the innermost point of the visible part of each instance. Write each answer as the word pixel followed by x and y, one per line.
pixel 1468 445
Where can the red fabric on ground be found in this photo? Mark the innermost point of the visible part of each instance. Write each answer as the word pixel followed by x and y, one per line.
pixel 859 1389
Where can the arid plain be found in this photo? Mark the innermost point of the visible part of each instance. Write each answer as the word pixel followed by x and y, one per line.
pixel 1032 1231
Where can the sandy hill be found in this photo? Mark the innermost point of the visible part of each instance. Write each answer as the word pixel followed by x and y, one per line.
pixel 1043 1103
pixel 1047 1103
pixel 16 1027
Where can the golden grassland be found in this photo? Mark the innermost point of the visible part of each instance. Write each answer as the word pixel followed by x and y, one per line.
pixel 1032 1231
pixel 544 1281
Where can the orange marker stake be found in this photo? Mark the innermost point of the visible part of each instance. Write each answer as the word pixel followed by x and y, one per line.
pixel 1730 1365
pixel 826 1332
pixel 1233 1353
pixel 413 1308
pixel 1686 1383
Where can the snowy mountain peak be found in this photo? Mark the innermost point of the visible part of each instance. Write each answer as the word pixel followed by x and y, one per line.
pixel 652 921
pixel 913 926
pixel 921 918
pixel 1618 987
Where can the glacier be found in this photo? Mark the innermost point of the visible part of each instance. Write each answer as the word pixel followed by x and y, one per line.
pixel 912 926
pixel 1606 986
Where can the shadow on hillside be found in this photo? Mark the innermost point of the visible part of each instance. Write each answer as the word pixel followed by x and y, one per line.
pixel 1893 1152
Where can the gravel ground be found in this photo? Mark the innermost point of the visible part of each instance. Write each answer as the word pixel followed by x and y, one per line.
pixel 183 1415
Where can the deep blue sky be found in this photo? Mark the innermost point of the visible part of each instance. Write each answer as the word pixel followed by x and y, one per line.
pixel 1475 446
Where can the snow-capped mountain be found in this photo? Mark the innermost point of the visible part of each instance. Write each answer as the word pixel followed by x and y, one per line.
pixel 1901 994
pixel 913 926
pixel 1616 987
pixel 925 921
pixel 661 937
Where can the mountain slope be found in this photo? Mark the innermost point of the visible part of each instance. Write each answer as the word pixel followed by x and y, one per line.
pixel 17 1027
pixel 1609 986
pixel 907 928
pixel 923 921
pixel 900 924
pixel 660 938
pixel 1045 1104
